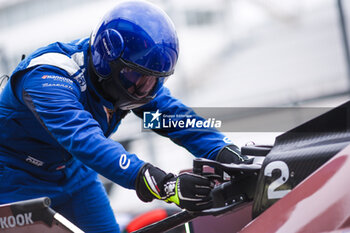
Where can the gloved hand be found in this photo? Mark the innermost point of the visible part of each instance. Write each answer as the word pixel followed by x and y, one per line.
pixel 188 191
pixel 232 154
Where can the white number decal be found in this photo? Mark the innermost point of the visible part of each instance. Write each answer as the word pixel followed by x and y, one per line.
pixel 272 193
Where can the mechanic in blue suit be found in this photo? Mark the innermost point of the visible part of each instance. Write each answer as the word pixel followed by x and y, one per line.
pixel 63 101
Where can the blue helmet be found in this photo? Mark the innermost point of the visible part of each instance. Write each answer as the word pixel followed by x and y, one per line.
pixel 132 52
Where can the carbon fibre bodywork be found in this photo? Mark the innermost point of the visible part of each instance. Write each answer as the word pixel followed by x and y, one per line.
pixel 303 183
pixel 298 153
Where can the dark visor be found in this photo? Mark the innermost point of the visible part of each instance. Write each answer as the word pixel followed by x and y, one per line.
pixel 137 84
pixel 138 81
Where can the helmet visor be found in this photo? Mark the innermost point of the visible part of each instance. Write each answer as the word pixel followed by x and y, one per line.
pixel 137 84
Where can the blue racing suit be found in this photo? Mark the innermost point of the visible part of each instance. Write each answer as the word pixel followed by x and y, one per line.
pixel 54 131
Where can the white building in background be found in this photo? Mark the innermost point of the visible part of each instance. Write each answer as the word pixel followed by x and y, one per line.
pixel 243 48
pixel 232 53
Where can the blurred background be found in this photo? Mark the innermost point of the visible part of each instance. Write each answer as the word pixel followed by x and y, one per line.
pixel 233 53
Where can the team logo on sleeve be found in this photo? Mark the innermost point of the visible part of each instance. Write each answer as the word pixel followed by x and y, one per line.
pixel 82 82
pixel 227 140
pixel 124 162
pixel 152 120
